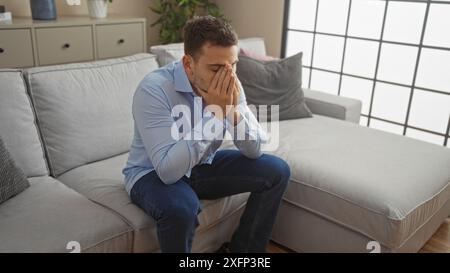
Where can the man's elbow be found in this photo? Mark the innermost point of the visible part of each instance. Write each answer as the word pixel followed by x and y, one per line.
pixel 168 176
pixel 253 154
pixel 250 149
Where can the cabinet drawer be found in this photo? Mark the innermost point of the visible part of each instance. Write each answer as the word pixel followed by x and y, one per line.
pixel 120 40
pixel 15 48
pixel 64 44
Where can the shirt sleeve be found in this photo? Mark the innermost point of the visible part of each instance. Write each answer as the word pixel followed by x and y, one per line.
pixel 247 134
pixel 171 156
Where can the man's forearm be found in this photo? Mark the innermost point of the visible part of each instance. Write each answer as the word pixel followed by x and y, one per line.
pixel 176 160
pixel 246 138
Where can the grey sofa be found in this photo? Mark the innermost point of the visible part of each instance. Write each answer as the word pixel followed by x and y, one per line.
pixel 69 127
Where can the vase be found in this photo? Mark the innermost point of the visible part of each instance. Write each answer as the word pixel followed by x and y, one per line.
pixel 98 8
pixel 43 9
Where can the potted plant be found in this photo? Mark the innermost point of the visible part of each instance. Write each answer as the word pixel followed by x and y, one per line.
pixel 98 8
pixel 175 13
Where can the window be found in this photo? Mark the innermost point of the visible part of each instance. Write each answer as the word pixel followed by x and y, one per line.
pixel 393 55
pixel 359 89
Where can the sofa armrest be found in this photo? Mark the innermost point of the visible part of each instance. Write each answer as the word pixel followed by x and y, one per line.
pixel 333 106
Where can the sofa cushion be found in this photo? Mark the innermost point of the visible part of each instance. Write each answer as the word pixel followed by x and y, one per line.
pixel 277 82
pixel 330 105
pixel 18 126
pixel 84 110
pixel 382 185
pixel 168 53
pixel 12 178
pixel 49 215
pixel 102 182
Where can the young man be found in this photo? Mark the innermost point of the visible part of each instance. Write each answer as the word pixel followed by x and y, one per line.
pixel 166 174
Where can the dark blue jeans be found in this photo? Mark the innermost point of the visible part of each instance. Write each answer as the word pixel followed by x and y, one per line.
pixel 175 207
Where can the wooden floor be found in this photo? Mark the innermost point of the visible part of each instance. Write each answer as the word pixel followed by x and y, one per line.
pixel 439 243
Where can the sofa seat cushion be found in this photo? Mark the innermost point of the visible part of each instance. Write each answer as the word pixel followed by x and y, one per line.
pixel 49 215
pixel 102 182
pixel 84 109
pixel 382 185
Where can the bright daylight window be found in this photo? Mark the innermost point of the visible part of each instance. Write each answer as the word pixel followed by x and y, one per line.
pixel 392 55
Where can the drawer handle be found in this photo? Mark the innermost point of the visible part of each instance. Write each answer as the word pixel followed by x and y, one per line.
pixel 1 50
pixel 66 45
pixel 121 41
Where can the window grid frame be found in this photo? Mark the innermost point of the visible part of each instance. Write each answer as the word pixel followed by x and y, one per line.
pixel 380 42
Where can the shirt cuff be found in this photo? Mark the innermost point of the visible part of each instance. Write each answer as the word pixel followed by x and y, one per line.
pixel 242 129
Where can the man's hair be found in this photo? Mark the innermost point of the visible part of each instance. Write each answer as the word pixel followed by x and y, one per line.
pixel 202 29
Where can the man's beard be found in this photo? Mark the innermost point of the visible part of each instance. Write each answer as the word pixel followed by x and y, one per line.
pixel 198 84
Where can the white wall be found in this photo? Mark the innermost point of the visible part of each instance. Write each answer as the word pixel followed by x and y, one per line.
pixel 252 18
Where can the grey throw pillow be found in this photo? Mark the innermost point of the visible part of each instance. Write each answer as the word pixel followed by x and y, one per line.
pixel 276 82
pixel 12 179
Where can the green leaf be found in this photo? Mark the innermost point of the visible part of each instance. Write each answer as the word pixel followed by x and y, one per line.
pixel 173 15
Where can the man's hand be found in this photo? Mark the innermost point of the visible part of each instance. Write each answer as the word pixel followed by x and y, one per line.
pixel 236 115
pixel 221 90
pixel 236 92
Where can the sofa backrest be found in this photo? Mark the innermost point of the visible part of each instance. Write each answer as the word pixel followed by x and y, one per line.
pixel 18 124
pixel 171 52
pixel 84 110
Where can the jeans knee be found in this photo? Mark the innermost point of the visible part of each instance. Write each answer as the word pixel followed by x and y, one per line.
pixel 183 212
pixel 279 169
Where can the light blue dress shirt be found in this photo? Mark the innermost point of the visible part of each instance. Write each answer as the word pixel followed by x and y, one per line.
pixel 154 146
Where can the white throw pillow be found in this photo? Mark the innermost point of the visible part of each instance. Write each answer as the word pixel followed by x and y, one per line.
pixel 166 54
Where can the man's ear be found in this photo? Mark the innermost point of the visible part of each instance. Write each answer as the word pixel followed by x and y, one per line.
pixel 188 64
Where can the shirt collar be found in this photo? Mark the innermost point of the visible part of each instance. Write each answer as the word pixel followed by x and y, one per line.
pixel 182 83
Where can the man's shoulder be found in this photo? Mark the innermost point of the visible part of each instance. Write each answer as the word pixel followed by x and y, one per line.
pixel 158 84
pixel 160 78
pixel 158 81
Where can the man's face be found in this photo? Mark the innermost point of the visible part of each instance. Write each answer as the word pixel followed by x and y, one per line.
pixel 201 71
